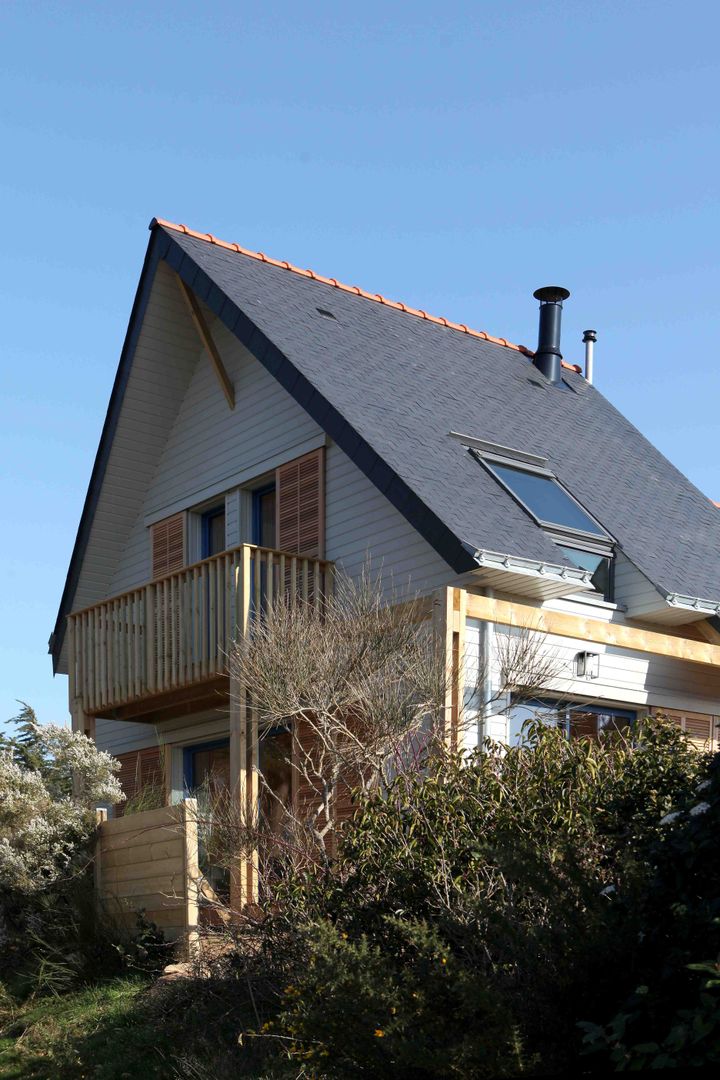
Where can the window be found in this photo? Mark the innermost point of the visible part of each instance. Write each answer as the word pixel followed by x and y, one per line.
pixel 577 720
pixel 582 540
pixel 599 565
pixel 264 516
pixel 213 532
pixel 546 500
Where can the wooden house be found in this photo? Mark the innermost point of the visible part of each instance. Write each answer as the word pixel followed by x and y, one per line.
pixel 269 423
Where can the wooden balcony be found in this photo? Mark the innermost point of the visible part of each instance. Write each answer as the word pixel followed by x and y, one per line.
pixel 148 646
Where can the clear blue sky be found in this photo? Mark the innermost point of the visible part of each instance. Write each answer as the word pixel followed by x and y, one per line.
pixel 455 156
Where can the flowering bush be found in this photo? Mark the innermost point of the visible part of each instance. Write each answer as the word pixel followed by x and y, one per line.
pixel 47 814
pixel 51 779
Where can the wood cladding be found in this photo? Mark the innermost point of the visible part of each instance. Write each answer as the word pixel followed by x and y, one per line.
pixel 167 539
pixel 300 510
pixel 139 769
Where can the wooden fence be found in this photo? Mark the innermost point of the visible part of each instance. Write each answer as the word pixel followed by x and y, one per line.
pixel 149 862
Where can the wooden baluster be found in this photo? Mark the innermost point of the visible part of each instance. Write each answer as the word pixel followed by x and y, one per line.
pixel 150 639
pixel 166 635
pixel 257 581
pixel 196 624
pixel 316 585
pixel 212 643
pixel 220 617
pixel 82 689
pixel 104 659
pixel 305 572
pixel 293 580
pixel 282 587
pixel 137 623
pixel 227 608
pixel 181 620
pixel 96 649
pixel 270 582
pixel 114 630
pixel 245 590
pixel 203 608
pixel 125 645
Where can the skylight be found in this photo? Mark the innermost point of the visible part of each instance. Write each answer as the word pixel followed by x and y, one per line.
pixel 546 500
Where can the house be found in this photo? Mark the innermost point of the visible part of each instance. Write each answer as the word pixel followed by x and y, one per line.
pixel 268 422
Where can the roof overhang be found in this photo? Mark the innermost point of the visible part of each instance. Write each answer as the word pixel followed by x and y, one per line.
pixel 529 577
pixel 678 610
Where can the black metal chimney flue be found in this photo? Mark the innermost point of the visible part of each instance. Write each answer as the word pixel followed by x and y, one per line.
pixel 548 356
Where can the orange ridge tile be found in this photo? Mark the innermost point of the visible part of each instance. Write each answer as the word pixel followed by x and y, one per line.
pixel 376 297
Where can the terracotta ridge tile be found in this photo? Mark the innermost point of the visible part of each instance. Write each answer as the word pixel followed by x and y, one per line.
pixel 375 297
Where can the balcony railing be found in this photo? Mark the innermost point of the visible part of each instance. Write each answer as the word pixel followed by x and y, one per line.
pixel 177 631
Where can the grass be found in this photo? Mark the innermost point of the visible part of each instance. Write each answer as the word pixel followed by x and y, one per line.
pixel 100 1032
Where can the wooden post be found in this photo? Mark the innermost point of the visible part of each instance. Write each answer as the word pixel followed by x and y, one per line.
pixel 253 804
pixel 100 818
pixel 192 875
pixel 238 767
pixel 79 719
pixel 443 611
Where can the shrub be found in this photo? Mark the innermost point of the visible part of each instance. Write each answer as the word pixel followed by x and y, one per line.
pixel 524 868
pixel 51 779
pixel 672 1016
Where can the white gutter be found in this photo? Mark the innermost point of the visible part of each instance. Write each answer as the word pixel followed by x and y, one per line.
pixel 534 568
pixel 692 603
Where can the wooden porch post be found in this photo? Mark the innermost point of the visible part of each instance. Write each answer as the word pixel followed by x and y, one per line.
pixel 79 719
pixel 243 781
pixel 449 618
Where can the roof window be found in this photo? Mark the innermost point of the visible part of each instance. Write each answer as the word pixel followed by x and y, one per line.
pixel 541 494
pixel 583 541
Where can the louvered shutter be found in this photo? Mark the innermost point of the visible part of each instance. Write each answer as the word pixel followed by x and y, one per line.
pixel 168 545
pixel 701 727
pixel 300 495
pixel 139 769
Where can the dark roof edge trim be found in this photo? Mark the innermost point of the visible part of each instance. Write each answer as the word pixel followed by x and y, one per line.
pixel 155 251
pixel 385 479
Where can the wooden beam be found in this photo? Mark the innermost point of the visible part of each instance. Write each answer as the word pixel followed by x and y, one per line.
pixel 707 632
pixel 593 630
pixel 207 339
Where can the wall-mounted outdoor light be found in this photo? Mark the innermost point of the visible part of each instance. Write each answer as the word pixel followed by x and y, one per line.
pixel 587 665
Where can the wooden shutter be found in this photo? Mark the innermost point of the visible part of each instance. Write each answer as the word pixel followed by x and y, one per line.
pixel 168 545
pixel 701 727
pixel 138 769
pixel 300 509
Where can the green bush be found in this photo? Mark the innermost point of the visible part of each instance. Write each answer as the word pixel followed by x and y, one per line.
pixel 672 1016
pixel 408 1008
pixel 524 868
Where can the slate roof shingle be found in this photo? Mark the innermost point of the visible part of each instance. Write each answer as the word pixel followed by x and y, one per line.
pixel 404 383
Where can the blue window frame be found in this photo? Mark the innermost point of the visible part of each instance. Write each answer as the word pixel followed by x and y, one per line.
pixel 261 525
pixel 189 752
pixel 212 535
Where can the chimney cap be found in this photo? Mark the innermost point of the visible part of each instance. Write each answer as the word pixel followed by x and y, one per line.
pixel 589 335
pixel 551 294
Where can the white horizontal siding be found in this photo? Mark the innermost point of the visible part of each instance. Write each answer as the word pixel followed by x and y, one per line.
pixel 122 736
pixel 165 356
pixel 633 590
pixel 210 445
pixel 362 526
pixel 636 680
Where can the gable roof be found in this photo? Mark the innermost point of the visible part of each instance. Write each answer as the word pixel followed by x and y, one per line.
pixel 389 384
